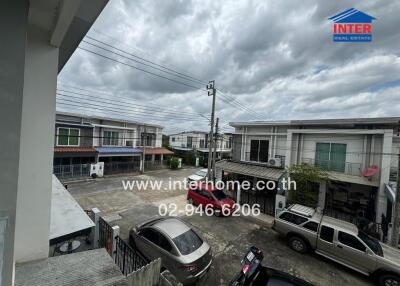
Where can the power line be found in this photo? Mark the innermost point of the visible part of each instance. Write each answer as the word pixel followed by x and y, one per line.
pixel 153 63
pixel 134 105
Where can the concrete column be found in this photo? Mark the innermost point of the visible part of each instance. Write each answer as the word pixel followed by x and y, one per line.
pixel 37 141
pixel 115 233
pixel 381 199
pixel 13 25
pixel 94 236
pixel 288 149
pixel 322 196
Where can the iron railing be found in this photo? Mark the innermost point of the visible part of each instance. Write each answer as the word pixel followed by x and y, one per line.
pixel 354 169
pixel 393 174
pixel 156 164
pixel 105 236
pixel 70 171
pixel 127 258
pixel 121 167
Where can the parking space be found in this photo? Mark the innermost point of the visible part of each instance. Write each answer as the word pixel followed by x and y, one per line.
pixel 229 237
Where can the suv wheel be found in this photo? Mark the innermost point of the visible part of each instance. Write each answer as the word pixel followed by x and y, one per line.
pixel 389 280
pixel 298 244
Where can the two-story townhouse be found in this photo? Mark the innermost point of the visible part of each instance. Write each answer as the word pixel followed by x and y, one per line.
pixel 82 139
pixel 186 141
pixel 360 157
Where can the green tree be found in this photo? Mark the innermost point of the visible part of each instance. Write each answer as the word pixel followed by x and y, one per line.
pixel 307 178
pixel 174 163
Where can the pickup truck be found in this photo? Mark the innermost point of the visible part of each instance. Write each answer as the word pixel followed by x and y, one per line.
pixel 340 241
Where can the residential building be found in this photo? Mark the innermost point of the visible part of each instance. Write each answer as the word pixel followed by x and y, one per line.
pixel 186 141
pixel 82 139
pixel 359 155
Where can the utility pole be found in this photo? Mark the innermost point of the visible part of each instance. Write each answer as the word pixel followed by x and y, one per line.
pixel 215 149
pixel 211 92
pixel 396 221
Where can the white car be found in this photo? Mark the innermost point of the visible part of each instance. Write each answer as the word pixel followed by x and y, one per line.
pixel 198 176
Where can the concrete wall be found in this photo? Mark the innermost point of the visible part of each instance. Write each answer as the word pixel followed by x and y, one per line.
pixel 12 63
pixel 37 141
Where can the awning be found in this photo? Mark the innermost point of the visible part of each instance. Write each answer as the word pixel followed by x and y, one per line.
pixel 67 217
pixel 113 151
pixel 158 151
pixel 74 150
pixel 261 172
pixel 390 192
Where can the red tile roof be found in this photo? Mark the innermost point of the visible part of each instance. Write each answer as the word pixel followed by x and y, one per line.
pixel 74 150
pixel 158 151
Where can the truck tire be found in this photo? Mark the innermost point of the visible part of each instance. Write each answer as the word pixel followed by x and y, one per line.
pixel 298 244
pixel 389 279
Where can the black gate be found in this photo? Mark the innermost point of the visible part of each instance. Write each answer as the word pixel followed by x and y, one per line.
pixel 105 235
pixel 266 200
pixel 127 258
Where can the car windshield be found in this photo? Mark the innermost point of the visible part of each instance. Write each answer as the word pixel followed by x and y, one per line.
pixel 371 242
pixel 187 242
pixel 201 173
pixel 219 195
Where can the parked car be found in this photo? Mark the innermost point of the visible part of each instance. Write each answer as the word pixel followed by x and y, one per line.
pixel 206 195
pixel 199 176
pixel 182 251
pixel 255 274
pixel 339 241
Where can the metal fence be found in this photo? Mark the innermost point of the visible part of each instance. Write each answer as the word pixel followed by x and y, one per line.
pixel 70 171
pixel 156 164
pixel 105 236
pixel 266 200
pixel 127 258
pixel 121 167
pixel 348 168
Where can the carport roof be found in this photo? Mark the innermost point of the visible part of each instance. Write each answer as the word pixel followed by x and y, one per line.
pixel 118 150
pixel 258 171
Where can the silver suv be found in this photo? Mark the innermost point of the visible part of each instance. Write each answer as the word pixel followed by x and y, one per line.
pixel 339 241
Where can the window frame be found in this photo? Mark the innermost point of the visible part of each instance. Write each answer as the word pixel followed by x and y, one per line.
pixel 333 234
pixel 110 138
pixel 310 222
pixel 68 136
pixel 356 238
pixel 259 150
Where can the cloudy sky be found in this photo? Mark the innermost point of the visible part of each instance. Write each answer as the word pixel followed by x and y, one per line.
pixel 276 58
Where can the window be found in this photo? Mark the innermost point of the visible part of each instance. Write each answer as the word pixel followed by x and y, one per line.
pixel 189 143
pixel 312 225
pixel 156 238
pixel 219 195
pixel 351 241
pixel 331 156
pixel 111 138
pixel 173 139
pixel 147 139
pixel 259 150
pixel 205 194
pixel 326 233
pixel 292 218
pixel 371 242
pixel 187 242
pixel 201 143
pixel 68 137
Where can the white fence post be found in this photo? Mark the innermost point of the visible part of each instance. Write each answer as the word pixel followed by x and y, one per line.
pixel 115 233
pixel 94 237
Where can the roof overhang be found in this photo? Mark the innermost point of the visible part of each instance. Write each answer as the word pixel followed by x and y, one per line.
pixel 252 170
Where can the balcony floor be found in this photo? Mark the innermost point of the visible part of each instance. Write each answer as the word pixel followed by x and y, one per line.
pixel 93 267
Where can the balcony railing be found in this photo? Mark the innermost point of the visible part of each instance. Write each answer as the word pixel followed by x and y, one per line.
pixel 354 169
pixel 393 174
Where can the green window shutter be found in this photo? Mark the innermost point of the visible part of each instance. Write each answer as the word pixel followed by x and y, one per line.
pixel 338 157
pixel 73 137
pixel 322 155
pixel 62 136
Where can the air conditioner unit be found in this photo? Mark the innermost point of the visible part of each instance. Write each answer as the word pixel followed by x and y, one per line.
pixel 275 162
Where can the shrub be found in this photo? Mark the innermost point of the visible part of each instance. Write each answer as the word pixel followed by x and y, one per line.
pixel 174 163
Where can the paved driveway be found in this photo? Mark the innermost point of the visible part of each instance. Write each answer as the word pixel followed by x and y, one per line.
pixel 229 237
